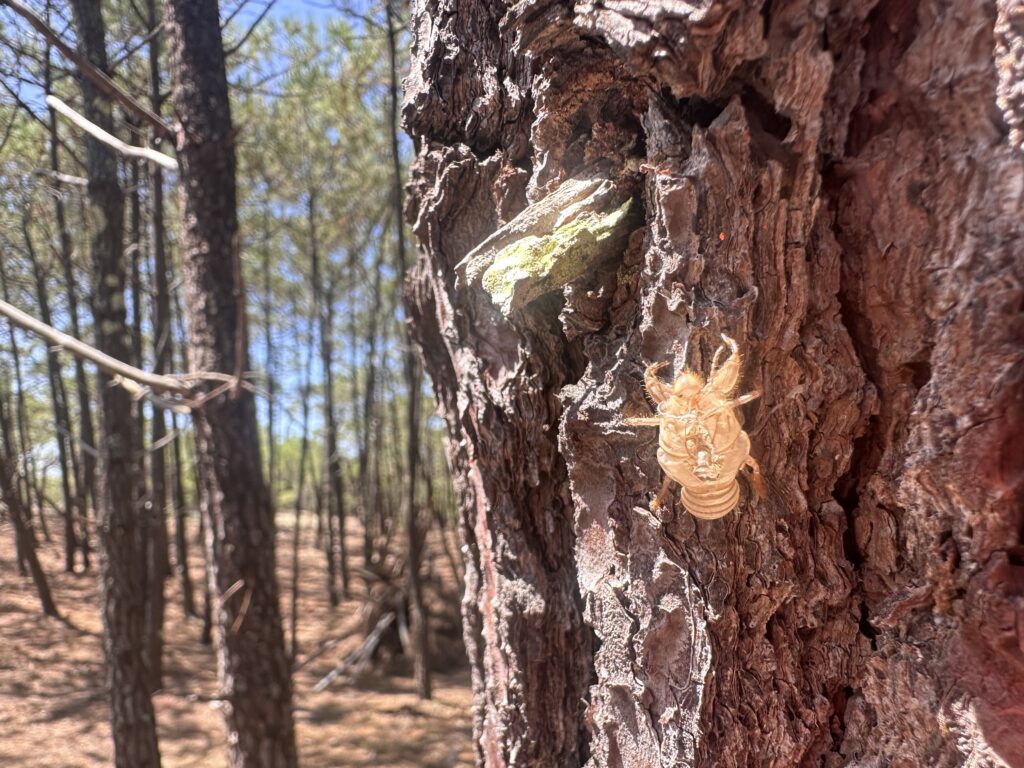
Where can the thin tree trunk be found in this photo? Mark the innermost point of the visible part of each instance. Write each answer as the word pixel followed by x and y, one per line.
pixel 334 477
pixel 155 522
pixel 135 248
pixel 87 465
pixel 336 474
pixel 133 723
pixel 357 426
pixel 390 476
pixel 381 512
pixel 188 600
pixel 324 332
pixel 413 540
pixel 335 480
pixel 252 663
pixel 268 343
pixel 84 483
pixel 296 530
pixel 20 543
pixel 318 487
pixel 87 433
pixel 163 345
pixel 19 519
pixel 62 420
pixel 203 495
pixel 179 482
pixel 367 447
pixel 23 423
pixel 427 468
pixel 300 491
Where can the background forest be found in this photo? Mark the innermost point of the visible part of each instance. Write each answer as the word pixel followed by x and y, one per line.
pixel 345 420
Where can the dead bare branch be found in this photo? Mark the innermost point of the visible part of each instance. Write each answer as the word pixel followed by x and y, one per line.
pixel 62 178
pixel 360 657
pixel 145 153
pixel 81 349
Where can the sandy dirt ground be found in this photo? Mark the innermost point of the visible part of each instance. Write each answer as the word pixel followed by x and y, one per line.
pixel 53 706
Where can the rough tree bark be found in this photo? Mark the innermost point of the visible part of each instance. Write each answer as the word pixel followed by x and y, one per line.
pixel 838 187
pixel 252 664
pixel 123 566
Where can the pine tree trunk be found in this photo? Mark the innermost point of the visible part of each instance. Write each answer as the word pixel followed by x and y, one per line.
pixel 252 664
pixel 86 482
pixel 122 573
pixel 334 477
pixel 411 369
pixel 81 461
pixel 327 489
pixel 155 523
pixel 369 480
pixel 163 353
pixel 58 398
pixel 24 488
pixel 25 539
pixel 304 395
pixel 839 191
pixel 268 344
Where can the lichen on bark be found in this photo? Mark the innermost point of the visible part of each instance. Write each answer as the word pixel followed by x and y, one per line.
pixel 535 265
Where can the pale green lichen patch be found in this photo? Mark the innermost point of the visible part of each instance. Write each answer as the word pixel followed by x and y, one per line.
pixel 534 265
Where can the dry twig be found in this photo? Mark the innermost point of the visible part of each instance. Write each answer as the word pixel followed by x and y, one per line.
pixel 145 153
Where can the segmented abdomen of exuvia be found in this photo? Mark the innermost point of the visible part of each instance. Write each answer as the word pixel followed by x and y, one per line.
pixel 712 500
pixel 707 499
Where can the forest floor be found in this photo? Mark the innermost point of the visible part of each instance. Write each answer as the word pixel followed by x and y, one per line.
pixel 53 707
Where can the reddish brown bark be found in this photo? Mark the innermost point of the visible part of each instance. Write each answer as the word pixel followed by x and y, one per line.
pixel 123 567
pixel 252 664
pixel 837 189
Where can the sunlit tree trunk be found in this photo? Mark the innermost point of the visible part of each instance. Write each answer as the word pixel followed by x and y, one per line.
pixel 133 723
pixel 253 666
